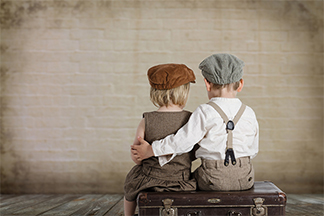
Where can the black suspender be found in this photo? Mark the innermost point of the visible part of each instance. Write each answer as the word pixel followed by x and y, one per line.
pixel 230 125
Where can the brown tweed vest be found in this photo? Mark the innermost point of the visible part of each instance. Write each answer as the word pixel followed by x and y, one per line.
pixel 157 126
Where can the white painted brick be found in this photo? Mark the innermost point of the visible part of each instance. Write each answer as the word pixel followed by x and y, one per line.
pixel 270 25
pixel 89 44
pixel 208 14
pixel 127 45
pixel 61 23
pixel 86 34
pixel 185 13
pixel 91 56
pixel 51 122
pixel 86 23
pixel 62 34
pixel 148 24
pixel 183 24
pixel 62 67
pixel 270 46
pixel 77 132
pixel 235 24
pixel 105 44
pixel 273 35
pixel 181 35
pixel 153 35
pixel 46 56
pixel 62 45
pixel 18 122
pixel 77 111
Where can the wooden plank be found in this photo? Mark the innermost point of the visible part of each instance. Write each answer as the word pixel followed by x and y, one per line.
pixel 305 198
pixel 299 204
pixel 317 196
pixel 117 210
pixel 6 196
pixel 100 206
pixel 16 199
pixel 72 206
pixel 24 204
pixel 54 202
pixel 295 210
pixel 307 202
pixel 112 205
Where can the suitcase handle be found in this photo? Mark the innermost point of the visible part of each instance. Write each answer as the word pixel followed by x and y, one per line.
pixel 233 213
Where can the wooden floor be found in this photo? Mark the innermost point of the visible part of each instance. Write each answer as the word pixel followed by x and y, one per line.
pixel 112 204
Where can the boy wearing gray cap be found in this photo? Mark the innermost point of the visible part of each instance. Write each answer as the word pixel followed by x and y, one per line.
pixel 226 130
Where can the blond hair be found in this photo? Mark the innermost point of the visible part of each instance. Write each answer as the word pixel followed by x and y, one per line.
pixel 177 96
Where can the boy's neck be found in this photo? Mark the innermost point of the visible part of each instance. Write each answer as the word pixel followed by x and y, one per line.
pixel 170 108
pixel 223 93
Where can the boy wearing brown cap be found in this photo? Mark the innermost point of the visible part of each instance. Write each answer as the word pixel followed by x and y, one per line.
pixel 226 130
pixel 170 84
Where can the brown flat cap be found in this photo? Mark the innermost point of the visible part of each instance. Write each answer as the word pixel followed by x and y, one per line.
pixel 169 76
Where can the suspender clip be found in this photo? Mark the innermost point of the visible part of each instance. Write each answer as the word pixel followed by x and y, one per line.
pixel 229 153
pixel 230 125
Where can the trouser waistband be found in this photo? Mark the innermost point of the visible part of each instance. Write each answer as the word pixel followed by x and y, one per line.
pixel 220 163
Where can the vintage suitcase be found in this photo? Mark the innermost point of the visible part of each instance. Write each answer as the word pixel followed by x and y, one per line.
pixel 263 199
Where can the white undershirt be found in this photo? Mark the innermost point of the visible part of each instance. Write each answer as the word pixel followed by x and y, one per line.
pixel 207 128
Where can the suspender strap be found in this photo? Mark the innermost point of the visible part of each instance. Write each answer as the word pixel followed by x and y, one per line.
pixel 224 116
pixel 239 113
pixel 230 125
pixel 220 111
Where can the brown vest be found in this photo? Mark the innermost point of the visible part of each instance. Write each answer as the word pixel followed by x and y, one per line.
pixel 157 126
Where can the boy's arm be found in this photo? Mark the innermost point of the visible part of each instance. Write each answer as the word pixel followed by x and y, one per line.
pixel 256 141
pixel 140 132
pixel 183 141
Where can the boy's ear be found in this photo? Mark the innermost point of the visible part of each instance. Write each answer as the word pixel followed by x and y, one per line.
pixel 240 86
pixel 208 85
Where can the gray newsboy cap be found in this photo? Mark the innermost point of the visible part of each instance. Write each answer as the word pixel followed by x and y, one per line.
pixel 222 68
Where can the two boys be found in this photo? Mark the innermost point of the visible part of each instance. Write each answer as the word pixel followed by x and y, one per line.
pixel 226 130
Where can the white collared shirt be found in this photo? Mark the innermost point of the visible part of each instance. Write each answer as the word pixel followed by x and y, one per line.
pixel 207 128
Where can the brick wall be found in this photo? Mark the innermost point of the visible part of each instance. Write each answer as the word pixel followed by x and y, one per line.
pixel 74 86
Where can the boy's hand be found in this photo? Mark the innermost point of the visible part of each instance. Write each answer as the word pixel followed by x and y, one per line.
pixel 142 151
pixel 134 158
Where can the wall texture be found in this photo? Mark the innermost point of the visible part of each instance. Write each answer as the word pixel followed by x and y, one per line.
pixel 74 86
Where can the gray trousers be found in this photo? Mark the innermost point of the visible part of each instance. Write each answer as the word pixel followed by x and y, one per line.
pixel 214 175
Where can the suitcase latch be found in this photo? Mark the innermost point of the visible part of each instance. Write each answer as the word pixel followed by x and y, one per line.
pixel 259 209
pixel 233 213
pixel 167 210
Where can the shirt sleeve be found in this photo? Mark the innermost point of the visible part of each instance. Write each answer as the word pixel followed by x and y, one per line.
pixel 184 140
pixel 256 141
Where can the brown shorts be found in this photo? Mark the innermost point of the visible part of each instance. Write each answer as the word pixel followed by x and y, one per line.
pixel 214 175
pixel 139 179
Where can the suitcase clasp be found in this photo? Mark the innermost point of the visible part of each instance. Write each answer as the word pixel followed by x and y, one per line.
pixel 233 213
pixel 167 210
pixel 259 209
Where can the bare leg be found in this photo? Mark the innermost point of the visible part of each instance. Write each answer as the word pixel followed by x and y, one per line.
pixel 129 207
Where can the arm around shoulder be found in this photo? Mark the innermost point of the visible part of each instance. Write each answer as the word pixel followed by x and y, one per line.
pixel 185 138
